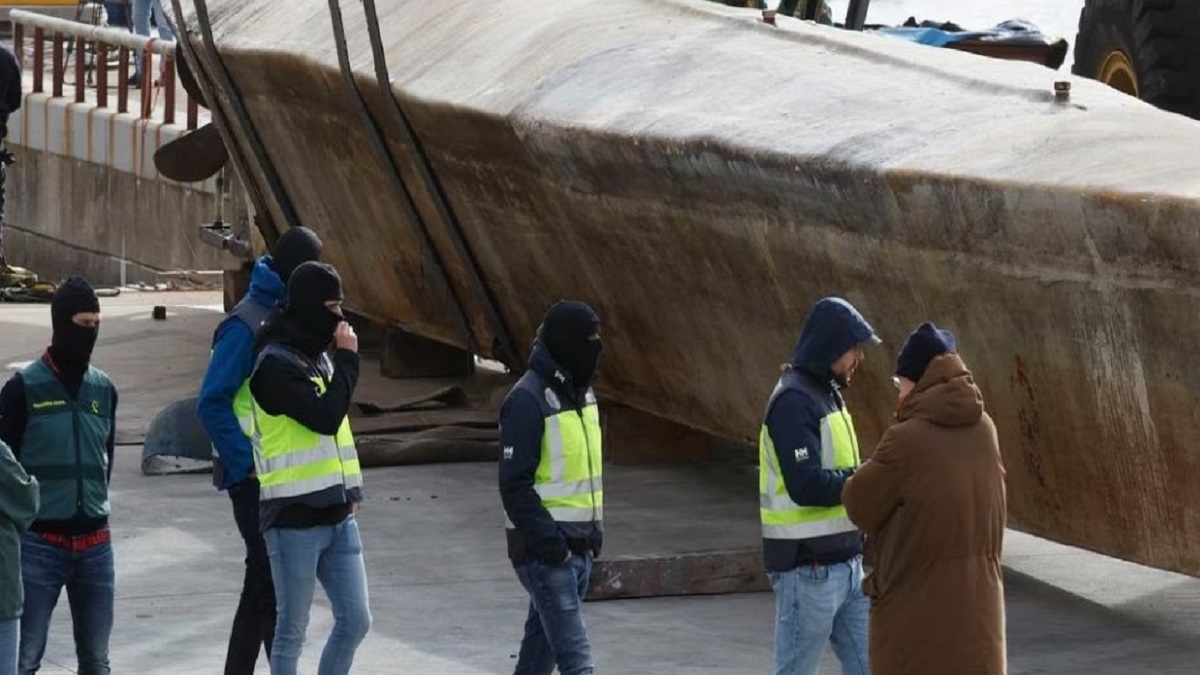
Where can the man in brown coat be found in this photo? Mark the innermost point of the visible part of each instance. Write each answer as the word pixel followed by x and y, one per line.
pixel 931 502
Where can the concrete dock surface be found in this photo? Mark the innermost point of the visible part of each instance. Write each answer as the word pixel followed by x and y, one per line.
pixel 443 596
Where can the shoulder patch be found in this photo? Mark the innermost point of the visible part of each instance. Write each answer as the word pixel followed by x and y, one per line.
pixel 801 455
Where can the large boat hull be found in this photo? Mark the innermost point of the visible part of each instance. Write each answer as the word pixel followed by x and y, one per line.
pixel 702 178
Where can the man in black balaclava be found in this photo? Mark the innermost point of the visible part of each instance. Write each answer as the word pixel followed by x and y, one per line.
pixel 553 501
pixel 571 332
pixel 315 304
pixel 75 316
pixel 307 320
pixel 294 248
pixel 309 471
pixel 58 414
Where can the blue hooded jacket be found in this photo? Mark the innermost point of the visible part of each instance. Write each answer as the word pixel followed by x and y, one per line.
pixel 793 419
pixel 231 364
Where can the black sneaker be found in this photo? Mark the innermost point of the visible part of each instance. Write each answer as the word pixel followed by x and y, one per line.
pixel 135 82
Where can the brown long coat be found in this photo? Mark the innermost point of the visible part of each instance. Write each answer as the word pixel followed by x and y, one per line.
pixel 931 502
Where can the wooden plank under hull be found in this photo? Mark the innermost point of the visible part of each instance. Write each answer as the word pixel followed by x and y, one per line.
pixel 701 178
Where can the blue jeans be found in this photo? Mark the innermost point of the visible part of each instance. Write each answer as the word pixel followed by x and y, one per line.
pixel 88 576
pixel 816 605
pixel 332 554
pixel 141 25
pixel 116 14
pixel 10 638
pixel 554 630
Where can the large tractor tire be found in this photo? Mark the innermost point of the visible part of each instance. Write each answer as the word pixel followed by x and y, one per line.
pixel 1145 48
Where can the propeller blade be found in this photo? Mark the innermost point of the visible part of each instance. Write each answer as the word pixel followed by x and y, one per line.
pixel 193 157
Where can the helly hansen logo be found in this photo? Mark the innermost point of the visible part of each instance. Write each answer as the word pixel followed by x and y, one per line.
pixel 508 452
pixel 552 399
pixel 801 455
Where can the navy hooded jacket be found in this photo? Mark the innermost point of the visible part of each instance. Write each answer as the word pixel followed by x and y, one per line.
pixel 537 536
pixel 231 364
pixel 793 420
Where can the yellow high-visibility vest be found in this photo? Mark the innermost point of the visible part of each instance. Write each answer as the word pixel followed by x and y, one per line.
pixel 292 460
pixel 783 518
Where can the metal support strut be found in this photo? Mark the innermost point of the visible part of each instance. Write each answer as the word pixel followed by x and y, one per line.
pixel 243 118
pixel 503 348
pixel 388 163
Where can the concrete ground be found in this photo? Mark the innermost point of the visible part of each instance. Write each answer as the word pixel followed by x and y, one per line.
pixel 443 596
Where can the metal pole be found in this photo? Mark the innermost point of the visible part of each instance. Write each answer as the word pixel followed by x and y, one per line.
pixel 56 77
pixel 39 59
pixel 102 76
pixel 856 15
pixel 811 7
pixel 79 70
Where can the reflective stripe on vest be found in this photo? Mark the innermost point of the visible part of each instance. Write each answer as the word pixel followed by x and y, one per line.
pixel 243 408
pixel 292 460
pixel 781 517
pixel 569 478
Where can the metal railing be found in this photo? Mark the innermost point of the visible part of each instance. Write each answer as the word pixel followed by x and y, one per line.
pixel 85 41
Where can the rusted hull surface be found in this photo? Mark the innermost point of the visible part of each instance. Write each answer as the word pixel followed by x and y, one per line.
pixel 702 178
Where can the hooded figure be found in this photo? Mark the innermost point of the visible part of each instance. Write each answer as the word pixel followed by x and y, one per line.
pixel 308 318
pixel 294 247
pixel 570 333
pixel 807 450
pixel 931 501
pixel 550 487
pixel 308 468
pixel 224 409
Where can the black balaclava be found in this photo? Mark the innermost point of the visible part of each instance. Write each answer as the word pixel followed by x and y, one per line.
pixel 567 331
pixel 294 248
pixel 311 286
pixel 72 344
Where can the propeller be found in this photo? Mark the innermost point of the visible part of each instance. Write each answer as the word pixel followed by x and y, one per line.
pixel 193 157
pixel 198 155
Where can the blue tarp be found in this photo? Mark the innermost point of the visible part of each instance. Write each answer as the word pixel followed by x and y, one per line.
pixel 933 37
pixel 936 35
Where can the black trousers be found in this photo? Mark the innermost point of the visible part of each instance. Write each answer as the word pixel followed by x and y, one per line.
pixel 254 623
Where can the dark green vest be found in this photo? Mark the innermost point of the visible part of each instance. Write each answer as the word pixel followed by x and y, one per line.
pixel 65 444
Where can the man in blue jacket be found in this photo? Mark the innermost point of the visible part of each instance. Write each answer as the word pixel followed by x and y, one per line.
pixel 550 486
pixel 224 409
pixel 807 450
